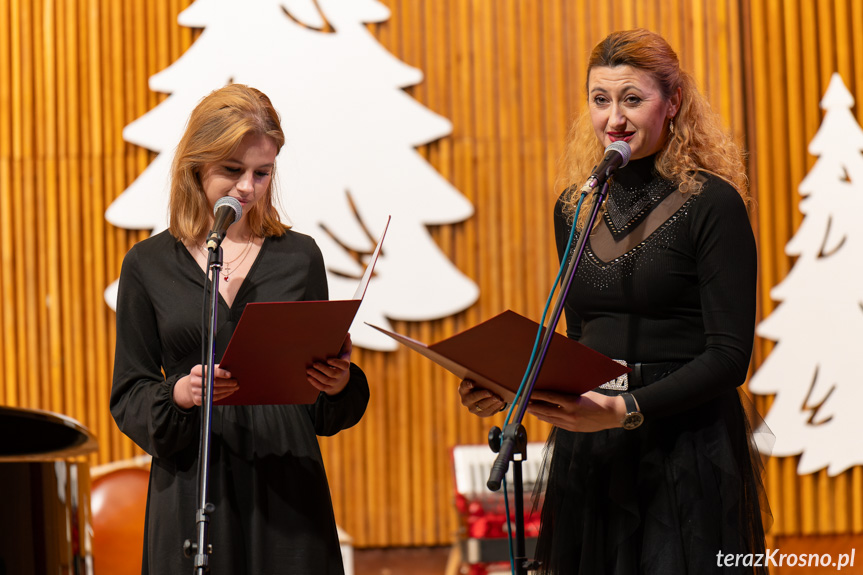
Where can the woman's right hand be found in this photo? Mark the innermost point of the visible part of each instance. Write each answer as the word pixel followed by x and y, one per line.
pixel 189 389
pixel 479 400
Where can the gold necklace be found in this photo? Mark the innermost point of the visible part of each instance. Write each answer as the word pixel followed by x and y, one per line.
pixel 226 266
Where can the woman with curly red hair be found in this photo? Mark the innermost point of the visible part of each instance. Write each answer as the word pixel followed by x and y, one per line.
pixel 653 475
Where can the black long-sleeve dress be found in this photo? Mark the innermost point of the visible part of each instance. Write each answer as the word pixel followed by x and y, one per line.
pixel 273 512
pixel 667 281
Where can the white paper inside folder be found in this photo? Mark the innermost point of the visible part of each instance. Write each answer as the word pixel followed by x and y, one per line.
pixel 472 466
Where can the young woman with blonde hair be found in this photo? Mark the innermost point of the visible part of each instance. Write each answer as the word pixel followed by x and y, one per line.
pixel 273 512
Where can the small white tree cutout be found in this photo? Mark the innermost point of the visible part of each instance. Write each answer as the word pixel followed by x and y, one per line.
pixel 349 160
pixel 815 370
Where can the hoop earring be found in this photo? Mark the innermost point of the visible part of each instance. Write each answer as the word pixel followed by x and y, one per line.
pixel 671 126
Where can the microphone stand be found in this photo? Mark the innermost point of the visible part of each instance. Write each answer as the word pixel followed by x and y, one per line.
pixel 202 548
pixel 511 445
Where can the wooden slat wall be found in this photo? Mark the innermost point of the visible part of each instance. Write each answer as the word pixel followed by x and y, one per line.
pixel 796 47
pixel 73 74
pixel 510 75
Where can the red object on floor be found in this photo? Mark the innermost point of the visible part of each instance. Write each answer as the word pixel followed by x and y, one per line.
pixel 118 503
pixel 482 512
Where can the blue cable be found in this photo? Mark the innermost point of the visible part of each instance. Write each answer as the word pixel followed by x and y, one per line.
pixel 530 366
pixel 544 313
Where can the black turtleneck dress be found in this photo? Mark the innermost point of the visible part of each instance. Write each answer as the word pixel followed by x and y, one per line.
pixel 667 280
pixel 273 513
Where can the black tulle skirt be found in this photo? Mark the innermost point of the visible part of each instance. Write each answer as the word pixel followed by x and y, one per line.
pixel 663 499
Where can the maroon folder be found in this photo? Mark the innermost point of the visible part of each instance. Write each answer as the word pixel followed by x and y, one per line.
pixel 495 354
pixel 274 344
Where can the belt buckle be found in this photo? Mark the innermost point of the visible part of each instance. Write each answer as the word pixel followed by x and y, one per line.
pixel 620 383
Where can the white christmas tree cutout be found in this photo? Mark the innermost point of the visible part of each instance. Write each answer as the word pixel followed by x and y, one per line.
pixel 814 370
pixel 349 160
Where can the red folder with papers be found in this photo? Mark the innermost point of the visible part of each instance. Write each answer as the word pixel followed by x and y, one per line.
pixel 495 353
pixel 274 344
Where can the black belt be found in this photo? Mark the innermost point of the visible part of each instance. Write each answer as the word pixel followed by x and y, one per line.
pixel 642 375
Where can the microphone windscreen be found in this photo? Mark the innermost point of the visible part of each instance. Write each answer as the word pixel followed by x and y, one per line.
pixel 622 148
pixel 233 203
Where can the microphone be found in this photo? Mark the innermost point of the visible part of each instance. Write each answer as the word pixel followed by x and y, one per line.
pixel 616 156
pixel 227 210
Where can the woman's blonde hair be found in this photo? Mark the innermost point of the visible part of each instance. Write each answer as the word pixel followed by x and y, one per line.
pixel 699 142
pixel 216 127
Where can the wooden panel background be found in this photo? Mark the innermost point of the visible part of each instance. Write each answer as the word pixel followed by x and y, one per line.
pixel 510 76
pixel 796 46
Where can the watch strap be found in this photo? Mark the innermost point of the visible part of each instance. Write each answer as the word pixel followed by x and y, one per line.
pixel 633 417
pixel 630 403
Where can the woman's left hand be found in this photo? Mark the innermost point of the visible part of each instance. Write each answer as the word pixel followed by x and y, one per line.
pixel 588 412
pixel 332 377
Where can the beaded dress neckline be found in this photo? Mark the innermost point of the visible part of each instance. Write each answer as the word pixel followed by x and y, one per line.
pixel 633 193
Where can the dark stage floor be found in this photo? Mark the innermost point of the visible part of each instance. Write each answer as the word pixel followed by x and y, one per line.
pixel 401 561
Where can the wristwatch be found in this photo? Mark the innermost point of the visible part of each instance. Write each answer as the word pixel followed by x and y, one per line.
pixel 633 417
